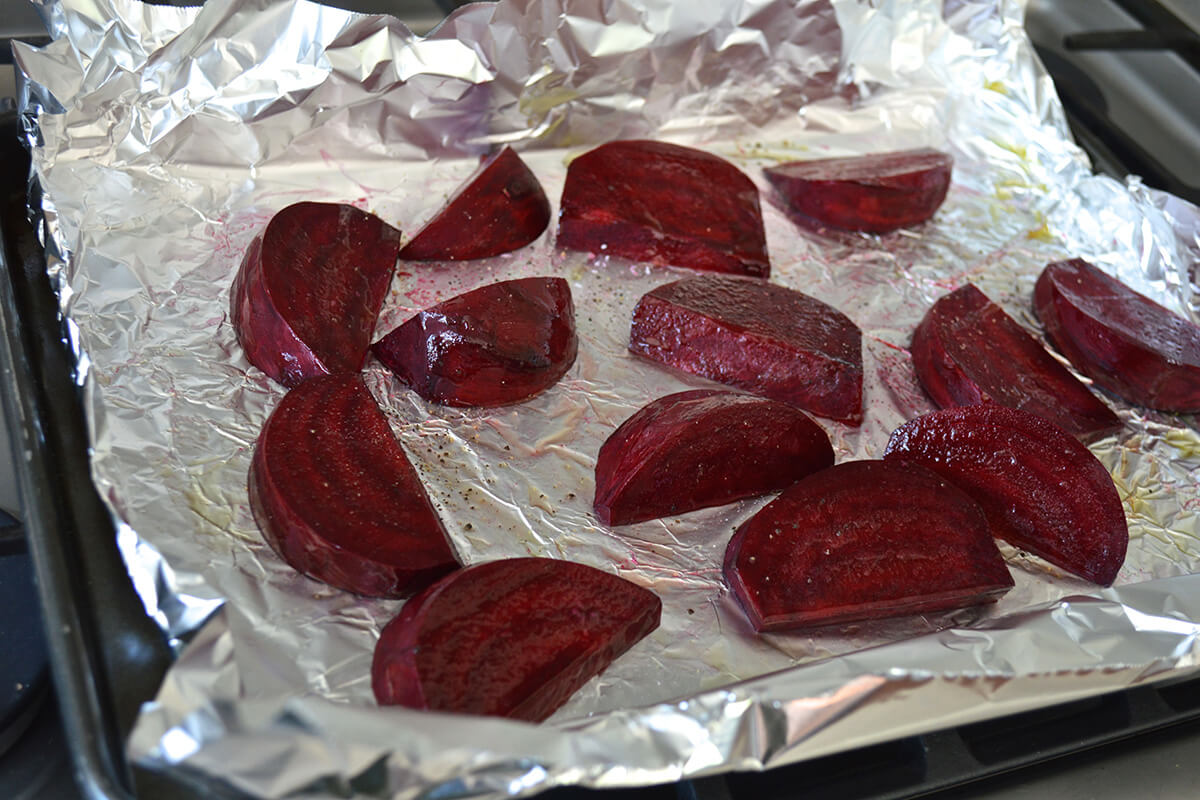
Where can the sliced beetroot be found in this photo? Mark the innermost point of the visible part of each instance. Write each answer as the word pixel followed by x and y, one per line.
pixel 875 193
pixel 760 337
pixel 704 448
pixel 666 205
pixel 315 262
pixel 1121 339
pixel 1040 488
pixel 500 208
pixel 501 343
pixel 863 540
pixel 336 497
pixel 967 351
pixel 513 638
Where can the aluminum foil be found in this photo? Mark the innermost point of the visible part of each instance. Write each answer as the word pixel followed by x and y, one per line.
pixel 164 139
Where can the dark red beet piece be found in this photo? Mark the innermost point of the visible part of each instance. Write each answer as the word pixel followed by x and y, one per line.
pixel 500 208
pixel 513 638
pixel 1121 339
pixel 967 351
pixel 666 205
pixel 875 193
pixel 704 448
pixel 863 540
pixel 498 344
pixel 760 337
pixel 334 494
pixel 1040 488
pixel 315 262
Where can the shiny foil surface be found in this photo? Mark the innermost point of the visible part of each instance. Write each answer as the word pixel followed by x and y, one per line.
pixel 165 138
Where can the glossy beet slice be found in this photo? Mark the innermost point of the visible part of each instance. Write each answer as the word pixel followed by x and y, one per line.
pixel 875 193
pixel 760 337
pixel 1121 339
pixel 334 494
pixel 500 208
pixel 315 262
pixel 704 448
pixel 1040 488
pixel 967 350
pixel 666 205
pixel 498 344
pixel 513 638
pixel 863 540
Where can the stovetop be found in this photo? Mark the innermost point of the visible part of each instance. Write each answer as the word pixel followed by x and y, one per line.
pixel 1124 68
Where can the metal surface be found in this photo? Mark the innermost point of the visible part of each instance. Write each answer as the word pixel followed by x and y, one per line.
pixel 293 710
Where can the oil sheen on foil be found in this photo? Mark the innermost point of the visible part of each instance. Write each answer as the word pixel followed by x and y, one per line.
pixel 165 138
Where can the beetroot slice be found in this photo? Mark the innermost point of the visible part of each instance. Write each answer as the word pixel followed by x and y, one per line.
pixel 704 448
pixel 315 262
pixel 875 193
pixel 967 351
pixel 500 208
pixel 498 344
pixel 1040 488
pixel 760 337
pixel 1122 340
pixel 666 205
pixel 863 540
pixel 513 638
pixel 334 494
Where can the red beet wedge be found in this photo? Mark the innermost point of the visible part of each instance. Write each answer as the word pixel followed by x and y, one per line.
pixel 513 638
pixel 666 205
pixel 498 344
pixel 1122 340
pixel 704 448
pixel 757 336
pixel 1040 488
pixel 335 496
pixel 500 208
pixel 314 263
pixel 968 351
pixel 876 193
pixel 863 540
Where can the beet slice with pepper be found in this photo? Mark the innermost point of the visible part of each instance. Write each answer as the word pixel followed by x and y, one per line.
pixel 336 497
pixel 863 540
pixel 1040 488
pixel 1121 339
pixel 499 344
pixel 766 339
pixel 513 638
pixel 666 205
pixel 500 208
pixel 967 350
pixel 704 448
pixel 875 193
pixel 314 262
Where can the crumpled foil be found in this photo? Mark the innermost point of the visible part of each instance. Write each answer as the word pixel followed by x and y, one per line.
pixel 164 139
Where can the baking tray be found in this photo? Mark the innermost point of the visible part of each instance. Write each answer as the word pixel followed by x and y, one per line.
pixel 108 656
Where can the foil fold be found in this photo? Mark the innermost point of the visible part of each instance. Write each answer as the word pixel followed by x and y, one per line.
pixel 164 139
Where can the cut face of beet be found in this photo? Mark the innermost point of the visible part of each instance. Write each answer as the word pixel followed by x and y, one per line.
pixel 1040 488
pixel 498 344
pixel 863 540
pixel 967 350
pixel 875 193
pixel 1122 340
pixel 500 208
pixel 704 448
pixel 315 262
pixel 766 339
pixel 663 204
pixel 336 497
pixel 513 638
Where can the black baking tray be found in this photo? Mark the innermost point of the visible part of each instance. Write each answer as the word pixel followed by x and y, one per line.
pixel 108 656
